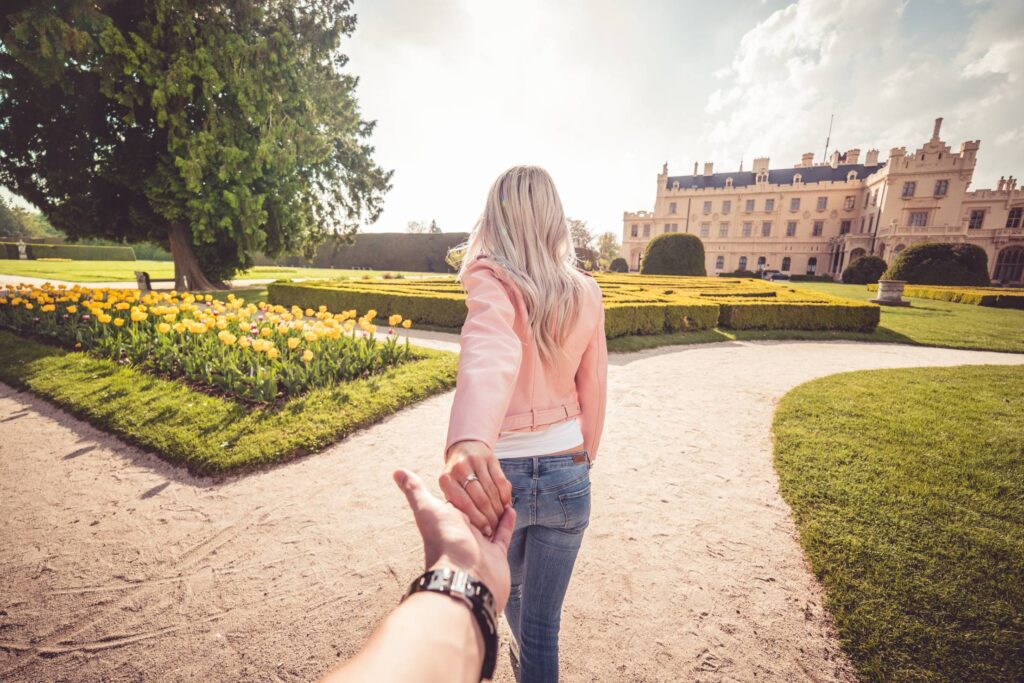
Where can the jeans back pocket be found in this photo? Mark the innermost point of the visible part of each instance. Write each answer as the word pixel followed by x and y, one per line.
pixel 576 506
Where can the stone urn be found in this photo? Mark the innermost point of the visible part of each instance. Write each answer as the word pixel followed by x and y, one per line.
pixel 890 293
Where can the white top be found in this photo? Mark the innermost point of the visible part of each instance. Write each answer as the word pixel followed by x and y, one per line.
pixel 557 437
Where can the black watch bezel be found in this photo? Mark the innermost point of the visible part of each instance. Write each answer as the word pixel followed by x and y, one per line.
pixel 475 595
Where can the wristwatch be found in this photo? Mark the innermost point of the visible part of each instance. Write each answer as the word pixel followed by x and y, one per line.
pixel 463 587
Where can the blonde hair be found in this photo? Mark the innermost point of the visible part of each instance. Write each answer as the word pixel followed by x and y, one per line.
pixel 524 231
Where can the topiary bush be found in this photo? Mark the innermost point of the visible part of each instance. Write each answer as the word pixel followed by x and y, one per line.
pixel 940 263
pixel 674 254
pixel 619 265
pixel 864 271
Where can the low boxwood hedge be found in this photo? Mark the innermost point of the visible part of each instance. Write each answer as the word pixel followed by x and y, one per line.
pixel 76 252
pixel 433 308
pixel 994 297
pixel 784 315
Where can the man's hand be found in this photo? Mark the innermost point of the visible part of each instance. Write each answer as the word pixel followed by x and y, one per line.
pixel 449 540
pixel 473 482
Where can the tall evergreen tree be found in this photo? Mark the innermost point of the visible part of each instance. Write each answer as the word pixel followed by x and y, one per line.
pixel 218 128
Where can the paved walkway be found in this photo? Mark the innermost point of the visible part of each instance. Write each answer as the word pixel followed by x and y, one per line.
pixel 116 566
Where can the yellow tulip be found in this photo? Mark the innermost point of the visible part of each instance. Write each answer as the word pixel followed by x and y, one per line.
pixel 118 322
pixel 273 353
pixel 47 308
pixel 103 318
pixel 244 342
pixel 122 306
pixel 179 327
pixel 293 342
pixel 227 338
pixel 163 328
pixel 28 306
pixel 394 319
pixel 266 332
pixel 407 324
pixel 309 312
pixel 72 309
pixel 311 336
pixel 307 355
pixel 371 314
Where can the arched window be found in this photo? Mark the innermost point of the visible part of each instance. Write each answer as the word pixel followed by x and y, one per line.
pixel 812 265
pixel 743 263
pixel 1009 265
pixel 797 179
pixel 728 182
pixel 720 263
pixel 761 261
pixel 852 175
pixel 856 254
pixel 785 264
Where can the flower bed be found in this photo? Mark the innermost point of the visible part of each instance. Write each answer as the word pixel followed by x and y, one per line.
pixel 634 304
pixel 254 352
pixel 995 297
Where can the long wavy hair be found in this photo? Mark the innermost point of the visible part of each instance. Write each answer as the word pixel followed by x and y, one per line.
pixel 523 229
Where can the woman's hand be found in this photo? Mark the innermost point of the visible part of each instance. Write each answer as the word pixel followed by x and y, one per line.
pixel 449 540
pixel 473 482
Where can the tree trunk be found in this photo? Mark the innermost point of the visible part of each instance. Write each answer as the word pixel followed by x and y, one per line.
pixel 187 273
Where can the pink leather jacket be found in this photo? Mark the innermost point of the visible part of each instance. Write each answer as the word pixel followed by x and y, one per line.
pixel 502 384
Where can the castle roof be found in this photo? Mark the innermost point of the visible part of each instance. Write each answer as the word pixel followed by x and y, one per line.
pixel 778 176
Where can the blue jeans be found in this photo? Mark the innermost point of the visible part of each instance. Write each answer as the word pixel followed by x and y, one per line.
pixel 551 495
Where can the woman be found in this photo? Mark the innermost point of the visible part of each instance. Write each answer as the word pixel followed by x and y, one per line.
pixel 529 401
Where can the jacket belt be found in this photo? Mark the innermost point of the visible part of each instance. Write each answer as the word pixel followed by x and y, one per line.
pixel 540 418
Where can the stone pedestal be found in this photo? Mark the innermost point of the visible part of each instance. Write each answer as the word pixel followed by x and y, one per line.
pixel 890 293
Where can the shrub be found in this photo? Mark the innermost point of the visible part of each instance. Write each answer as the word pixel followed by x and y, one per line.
pixel 619 265
pixel 940 263
pixel 739 273
pixel 865 270
pixel 674 254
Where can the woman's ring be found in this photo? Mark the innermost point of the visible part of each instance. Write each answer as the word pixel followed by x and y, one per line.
pixel 472 477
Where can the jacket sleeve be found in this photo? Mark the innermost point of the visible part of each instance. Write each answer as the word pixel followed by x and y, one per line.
pixel 592 385
pixel 489 360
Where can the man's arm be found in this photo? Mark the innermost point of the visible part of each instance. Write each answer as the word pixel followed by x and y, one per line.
pixel 431 637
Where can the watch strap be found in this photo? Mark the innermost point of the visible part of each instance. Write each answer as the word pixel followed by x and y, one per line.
pixel 475 595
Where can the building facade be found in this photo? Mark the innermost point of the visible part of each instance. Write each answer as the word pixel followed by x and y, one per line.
pixel 818 218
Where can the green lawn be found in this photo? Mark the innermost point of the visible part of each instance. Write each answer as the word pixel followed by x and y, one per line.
pixel 211 434
pixel 908 492
pixel 925 322
pixel 118 271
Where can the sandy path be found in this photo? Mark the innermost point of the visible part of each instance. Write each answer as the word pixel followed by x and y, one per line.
pixel 116 566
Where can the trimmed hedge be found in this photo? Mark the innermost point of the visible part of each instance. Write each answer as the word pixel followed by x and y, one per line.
pixel 634 304
pixel 433 308
pixel 674 254
pixel 76 252
pixel 752 315
pixel 619 265
pixel 740 273
pixel 940 263
pixel 994 297
pixel 864 270
pixel 812 278
pixel 420 252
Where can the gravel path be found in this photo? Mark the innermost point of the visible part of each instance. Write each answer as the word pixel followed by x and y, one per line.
pixel 115 566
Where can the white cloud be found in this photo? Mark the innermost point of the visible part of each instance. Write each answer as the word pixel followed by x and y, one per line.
pixel 885 84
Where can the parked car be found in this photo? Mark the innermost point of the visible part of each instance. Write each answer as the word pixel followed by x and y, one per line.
pixel 775 277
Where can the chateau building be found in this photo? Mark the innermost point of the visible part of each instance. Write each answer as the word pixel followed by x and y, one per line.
pixel 817 218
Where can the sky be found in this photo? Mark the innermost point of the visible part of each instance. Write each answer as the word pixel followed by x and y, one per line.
pixel 601 93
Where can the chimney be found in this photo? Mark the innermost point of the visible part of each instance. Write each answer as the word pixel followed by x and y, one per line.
pixel 760 164
pixel 708 168
pixel 807 159
pixel 833 159
pixel 935 133
pixel 695 168
pixel 852 155
pixel 872 158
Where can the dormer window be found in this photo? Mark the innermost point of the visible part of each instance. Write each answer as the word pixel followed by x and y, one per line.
pixel 798 179
pixel 852 175
pixel 728 182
